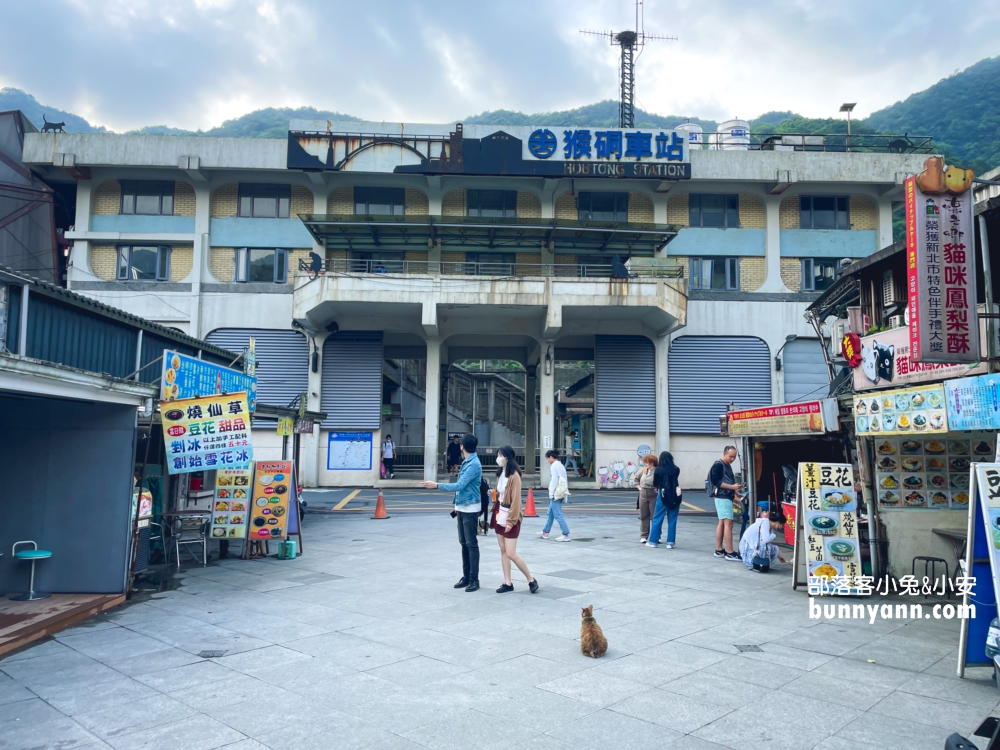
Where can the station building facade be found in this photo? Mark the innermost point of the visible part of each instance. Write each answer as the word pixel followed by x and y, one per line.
pixel 497 280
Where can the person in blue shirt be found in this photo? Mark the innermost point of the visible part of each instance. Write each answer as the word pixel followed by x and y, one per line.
pixel 467 508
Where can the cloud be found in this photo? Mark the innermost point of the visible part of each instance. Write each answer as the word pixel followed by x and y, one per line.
pixel 194 63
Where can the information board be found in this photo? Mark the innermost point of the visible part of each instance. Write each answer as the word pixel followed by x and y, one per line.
pixel 826 544
pixel 273 488
pixel 231 504
pixel 973 403
pixel 982 562
pixel 348 451
pixel 202 434
pixel 187 377
pixel 908 411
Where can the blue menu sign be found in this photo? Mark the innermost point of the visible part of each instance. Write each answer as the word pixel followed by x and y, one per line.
pixel 188 377
pixel 973 403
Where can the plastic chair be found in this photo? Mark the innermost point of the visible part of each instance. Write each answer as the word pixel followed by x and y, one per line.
pixel 191 531
pixel 33 555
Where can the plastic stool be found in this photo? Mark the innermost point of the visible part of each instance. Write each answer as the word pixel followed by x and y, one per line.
pixel 930 562
pixel 33 555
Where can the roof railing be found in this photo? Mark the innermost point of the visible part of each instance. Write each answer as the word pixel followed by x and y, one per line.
pixel 886 143
pixel 364 267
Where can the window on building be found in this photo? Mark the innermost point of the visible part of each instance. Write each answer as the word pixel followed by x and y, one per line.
pixel 380 201
pixel 823 212
pixel 143 262
pixel 818 274
pixel 261 265
pixel 492 203
pixel 264 201
pixel 719 211
pixel 602 206
pixel 147 197
pixel 717 274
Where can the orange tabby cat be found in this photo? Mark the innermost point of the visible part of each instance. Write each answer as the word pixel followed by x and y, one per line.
pixel 592 640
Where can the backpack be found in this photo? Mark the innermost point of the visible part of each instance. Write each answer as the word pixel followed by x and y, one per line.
pixel 484 505
pixel 709 487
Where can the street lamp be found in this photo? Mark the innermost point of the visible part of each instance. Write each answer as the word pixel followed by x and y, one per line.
pixel 848 107
pixel 777 355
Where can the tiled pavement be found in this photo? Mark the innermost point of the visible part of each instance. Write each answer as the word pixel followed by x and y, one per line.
pixel 363 643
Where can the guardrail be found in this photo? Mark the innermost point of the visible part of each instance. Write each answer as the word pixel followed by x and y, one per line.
pixel 446 268
pixel 861 142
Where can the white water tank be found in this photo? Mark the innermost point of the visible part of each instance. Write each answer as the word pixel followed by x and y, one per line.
pixel 694 134
pixel 734 135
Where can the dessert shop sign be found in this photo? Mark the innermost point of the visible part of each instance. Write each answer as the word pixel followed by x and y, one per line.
pixel 908 411
pixel 802 418
pixel 941 282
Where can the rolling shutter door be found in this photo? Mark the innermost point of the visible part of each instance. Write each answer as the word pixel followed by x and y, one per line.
pixel 706 373
pixel 806 376
pixel 352 381
pixel 282 362
pixel 626 383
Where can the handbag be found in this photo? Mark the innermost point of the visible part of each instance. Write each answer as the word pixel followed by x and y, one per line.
pixel 761 562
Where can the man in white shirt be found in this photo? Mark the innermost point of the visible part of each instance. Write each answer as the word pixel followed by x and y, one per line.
pixel 558 491
pixel 389 456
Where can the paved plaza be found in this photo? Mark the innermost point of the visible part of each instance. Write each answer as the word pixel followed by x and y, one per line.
pixel 363 643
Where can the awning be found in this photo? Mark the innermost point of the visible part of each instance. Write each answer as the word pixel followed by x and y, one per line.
pixel 386 233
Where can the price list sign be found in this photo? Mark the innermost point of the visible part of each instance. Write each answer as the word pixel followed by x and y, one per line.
pixel 830 523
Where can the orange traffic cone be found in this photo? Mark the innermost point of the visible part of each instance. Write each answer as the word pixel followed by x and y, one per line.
pixel 529 508
pixel 380 506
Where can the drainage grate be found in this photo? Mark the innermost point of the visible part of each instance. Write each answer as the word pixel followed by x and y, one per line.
pixel 751 648
pixel 211 654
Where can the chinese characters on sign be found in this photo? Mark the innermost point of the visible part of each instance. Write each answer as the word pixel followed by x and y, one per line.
pixel 272 489
pixel 941 284
pixel 988 484
pixel 187 377
pixel 201 434
pixel 787 419
pixel 886 360
pixel 829 524
pixel 622 153
pixel 230 507
pixel 973 403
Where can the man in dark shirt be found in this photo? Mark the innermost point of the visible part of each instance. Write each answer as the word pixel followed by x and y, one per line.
pixel 454 455
pixel 724 489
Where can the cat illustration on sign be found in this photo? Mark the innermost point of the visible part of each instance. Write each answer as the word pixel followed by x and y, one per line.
pixel 877 361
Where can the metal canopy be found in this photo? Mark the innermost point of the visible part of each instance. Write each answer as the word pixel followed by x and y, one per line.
pixel 385 233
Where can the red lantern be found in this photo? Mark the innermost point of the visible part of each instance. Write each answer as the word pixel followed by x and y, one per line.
pixel 850 347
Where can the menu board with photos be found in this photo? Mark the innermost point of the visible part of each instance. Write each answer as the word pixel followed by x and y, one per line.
pixel 272 489
pixel 908 411
pixel 829 521
pixel 928 472
pixel 230 506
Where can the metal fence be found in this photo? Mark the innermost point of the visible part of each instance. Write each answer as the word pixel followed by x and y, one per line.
pixel 877 143
pixel 446 268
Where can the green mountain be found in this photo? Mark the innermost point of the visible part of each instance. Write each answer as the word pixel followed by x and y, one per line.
pixel 961 112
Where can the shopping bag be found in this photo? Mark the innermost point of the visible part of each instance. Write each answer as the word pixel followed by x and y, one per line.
pixel 382 471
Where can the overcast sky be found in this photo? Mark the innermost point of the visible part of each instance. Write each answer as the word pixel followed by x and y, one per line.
pixel 195 63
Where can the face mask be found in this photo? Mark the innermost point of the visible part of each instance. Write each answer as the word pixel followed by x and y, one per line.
pixel 501 460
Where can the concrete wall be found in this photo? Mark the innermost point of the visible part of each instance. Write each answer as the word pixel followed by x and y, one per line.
pixel 909 533
pixel 610 447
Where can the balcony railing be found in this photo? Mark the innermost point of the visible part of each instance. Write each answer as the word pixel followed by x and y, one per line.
pixel 352 267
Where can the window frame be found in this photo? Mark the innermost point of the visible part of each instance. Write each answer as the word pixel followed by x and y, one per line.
pixel 247 191
pixel 128 201
pixel 620 211
pixel 508 202
pixel 841 216
pixel 395 192
pixel 243 257
pixel 809 278
pixel 123 271
pixel 731 273
pixel 730 210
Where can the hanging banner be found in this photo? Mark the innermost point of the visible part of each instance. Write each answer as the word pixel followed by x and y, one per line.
pixel 801 418
pixel 827 527
pixel 941 274
pixel 188 377
pixel 202 434
pixel 230 508
pixel 910 411
pixel 273 487
pixel 973 403
pixel 886 361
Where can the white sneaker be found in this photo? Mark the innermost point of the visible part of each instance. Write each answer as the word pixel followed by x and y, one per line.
pixel 543 534
pixel 642 540
pixel 654 546
pixel 562 538
pixel 670 545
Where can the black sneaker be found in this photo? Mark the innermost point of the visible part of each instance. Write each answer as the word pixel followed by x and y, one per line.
pixel 718 553
pixel 462 583
pixel 533 586
pixel 733 556
pixel 474 586
pixel 505 588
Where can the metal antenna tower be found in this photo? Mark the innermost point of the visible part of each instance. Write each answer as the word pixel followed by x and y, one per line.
pixel 632 43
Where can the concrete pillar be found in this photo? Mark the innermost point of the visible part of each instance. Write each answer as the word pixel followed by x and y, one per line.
pixel 530 419
pixel 660 208
pixel 311 455
pixel 662 344
pixel 546 380
pixel 200 267
pixel 772 279
pixel 884 222
pixel 432 409
pixel 79 259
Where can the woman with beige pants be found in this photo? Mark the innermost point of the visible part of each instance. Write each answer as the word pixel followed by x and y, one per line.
pixel 647 496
